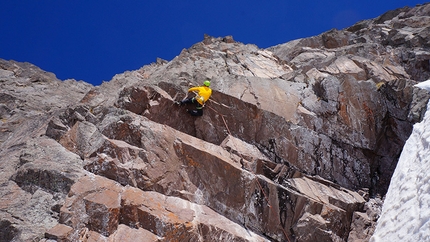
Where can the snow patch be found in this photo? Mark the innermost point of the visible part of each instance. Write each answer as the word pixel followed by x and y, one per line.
pixel 406 210
pixel 424 85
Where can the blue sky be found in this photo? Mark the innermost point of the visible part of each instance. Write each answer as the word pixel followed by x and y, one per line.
pixel 94 40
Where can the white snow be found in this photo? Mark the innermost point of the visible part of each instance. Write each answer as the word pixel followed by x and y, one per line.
pixel 406 211
pixel 424 85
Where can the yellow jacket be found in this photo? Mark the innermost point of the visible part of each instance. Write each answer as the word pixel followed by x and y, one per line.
pixel 203 93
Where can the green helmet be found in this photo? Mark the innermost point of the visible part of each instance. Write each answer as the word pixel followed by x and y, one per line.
pixel 207 83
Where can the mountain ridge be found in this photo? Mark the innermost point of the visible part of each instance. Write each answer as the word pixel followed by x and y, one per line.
pixel 311 128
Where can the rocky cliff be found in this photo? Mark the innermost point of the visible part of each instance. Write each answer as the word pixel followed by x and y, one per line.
pixel 298 142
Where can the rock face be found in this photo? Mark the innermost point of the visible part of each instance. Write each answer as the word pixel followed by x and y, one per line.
pixel 297 142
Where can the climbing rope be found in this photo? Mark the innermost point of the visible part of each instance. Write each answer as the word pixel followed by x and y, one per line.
pixel 255 176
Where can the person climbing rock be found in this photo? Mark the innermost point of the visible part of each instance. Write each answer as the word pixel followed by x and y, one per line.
pixel 203 93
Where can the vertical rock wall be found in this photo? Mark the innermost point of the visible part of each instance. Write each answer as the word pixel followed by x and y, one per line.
pixel 297 142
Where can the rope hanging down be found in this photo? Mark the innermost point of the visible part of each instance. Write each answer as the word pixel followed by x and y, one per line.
pixel 255 176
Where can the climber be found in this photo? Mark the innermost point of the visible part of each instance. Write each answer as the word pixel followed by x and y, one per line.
pixel 202 95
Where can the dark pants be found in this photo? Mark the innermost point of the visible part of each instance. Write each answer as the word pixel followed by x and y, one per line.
pixel 199 108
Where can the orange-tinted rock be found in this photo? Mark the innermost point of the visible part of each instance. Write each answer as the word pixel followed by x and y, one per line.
pixel 91 236
pixel 59 232
pixel 94 203
pixel 127 234
pixel 145 214
pixel 103 210
pixel 291 136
